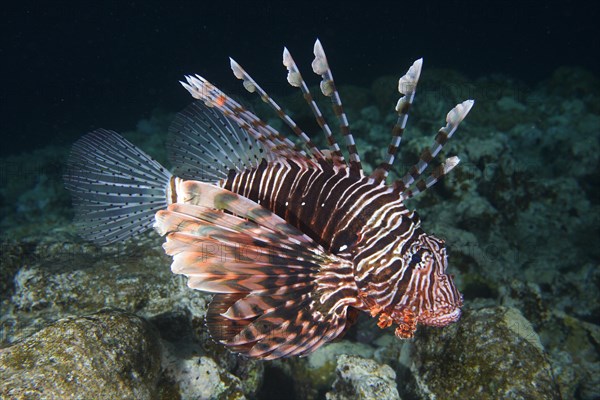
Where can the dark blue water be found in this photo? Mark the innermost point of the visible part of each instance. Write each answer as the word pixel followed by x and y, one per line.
pixel 74 66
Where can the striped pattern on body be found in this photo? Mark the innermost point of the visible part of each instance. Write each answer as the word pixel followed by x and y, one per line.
pixel 357 218
pixel 331 206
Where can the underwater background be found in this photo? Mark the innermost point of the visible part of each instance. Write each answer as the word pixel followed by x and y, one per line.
pixel 520 214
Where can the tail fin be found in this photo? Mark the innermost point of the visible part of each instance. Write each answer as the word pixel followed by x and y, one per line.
pixel 116 187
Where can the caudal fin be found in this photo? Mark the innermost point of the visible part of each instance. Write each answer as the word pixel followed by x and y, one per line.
pixel 116 187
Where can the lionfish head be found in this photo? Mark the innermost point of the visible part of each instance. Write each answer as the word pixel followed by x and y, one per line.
pixel 431 297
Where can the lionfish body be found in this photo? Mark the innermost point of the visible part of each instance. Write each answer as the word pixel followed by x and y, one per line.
pixel 292 242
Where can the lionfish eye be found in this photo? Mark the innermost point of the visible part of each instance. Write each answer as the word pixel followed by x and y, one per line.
pixel 416 258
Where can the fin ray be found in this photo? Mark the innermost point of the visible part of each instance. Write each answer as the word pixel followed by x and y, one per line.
pixel 251 85
pixel 295 79
pixel 321 67
pixel 203 90
pixel 407 86
pixel 116 187
pixel 453 120
pixel 204 145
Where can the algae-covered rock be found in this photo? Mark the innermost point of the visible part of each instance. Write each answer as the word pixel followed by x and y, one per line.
pixel 575 356
pixel 492 353
pixel 107 355
pixel 363 379
pixel 61 278
pixel 11 253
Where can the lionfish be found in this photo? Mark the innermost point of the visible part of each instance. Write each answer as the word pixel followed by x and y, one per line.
pixel 293 240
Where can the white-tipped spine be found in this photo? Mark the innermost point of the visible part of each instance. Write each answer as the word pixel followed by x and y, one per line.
pixel 459 112
pixel 408 83
pixel 456 116
pixel 238 71
pixel 450 163
pixel 199 88
pixel 319 64
pixel 294 78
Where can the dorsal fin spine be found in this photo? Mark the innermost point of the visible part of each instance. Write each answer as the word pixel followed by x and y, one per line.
pixel 295 79
pixel 203 90
pixel 436 175
pixel 407 87
pixel 453 120
pixel 251 85
pixel 321 67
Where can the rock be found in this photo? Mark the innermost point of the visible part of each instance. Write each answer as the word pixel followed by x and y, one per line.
pixel 194 367
pixel 574 82
pixel 201 378
pixel 60 278
pixel 107 355
pixel 12 254
pixel 574 353
pixel 314 374
pixel 362 378
pixel 492 353
pixel 325 359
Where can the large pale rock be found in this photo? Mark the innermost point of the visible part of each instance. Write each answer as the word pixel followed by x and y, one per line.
pixel 107 355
